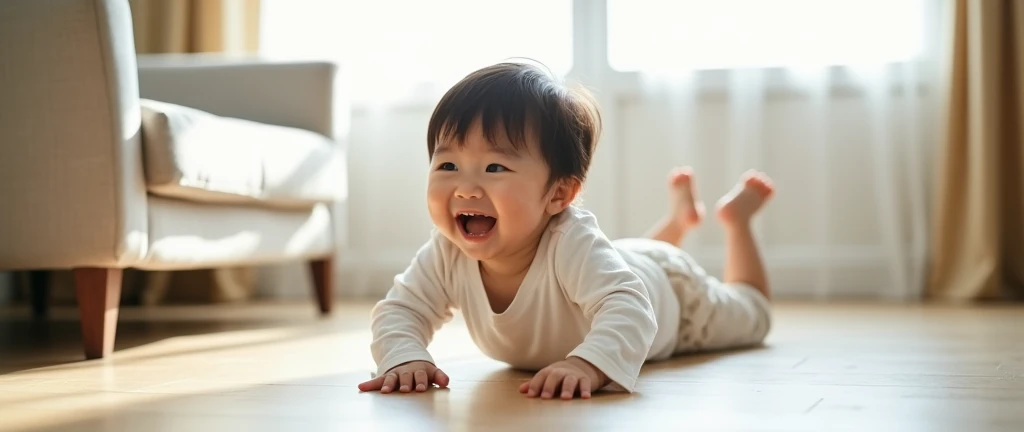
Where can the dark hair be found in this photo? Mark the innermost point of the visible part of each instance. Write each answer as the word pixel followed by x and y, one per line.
pixel 518 99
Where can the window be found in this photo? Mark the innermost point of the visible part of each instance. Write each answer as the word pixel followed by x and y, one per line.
pixel 723 34
pixel 401 49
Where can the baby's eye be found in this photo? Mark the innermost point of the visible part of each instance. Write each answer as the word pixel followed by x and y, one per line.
pixel 447 166
pixel 496 168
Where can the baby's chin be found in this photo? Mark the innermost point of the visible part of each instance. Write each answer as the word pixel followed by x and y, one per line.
pixel 491 251
pixel 476 252
pixel 476 256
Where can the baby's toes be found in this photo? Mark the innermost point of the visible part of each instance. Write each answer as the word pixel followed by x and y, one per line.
pixel 760 183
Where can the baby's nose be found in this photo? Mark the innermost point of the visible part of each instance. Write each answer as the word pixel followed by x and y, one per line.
pixel 469 191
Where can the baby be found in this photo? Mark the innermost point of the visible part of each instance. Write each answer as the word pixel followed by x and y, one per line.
pixel 540 286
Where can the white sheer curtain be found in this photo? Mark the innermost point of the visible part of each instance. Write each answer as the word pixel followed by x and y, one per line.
pixel 836 100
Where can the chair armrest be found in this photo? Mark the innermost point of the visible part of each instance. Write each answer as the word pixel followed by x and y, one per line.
pixel 285 93
pixel 72 192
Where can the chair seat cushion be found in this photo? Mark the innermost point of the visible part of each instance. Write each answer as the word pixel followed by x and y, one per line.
pixel 195 155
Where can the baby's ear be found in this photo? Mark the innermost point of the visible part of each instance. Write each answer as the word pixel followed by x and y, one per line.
pixel 563 194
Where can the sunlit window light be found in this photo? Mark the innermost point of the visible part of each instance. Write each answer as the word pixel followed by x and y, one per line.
pixel 400 48
pixel 726 34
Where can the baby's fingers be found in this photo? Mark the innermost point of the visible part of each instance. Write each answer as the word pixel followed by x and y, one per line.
pixel 585 388
pixel 551 384
pixel 569 387
pixel 405 379
pixel 389 382
pixel 420 378
pixel 372 385
pixel 536 383
pixel 440 378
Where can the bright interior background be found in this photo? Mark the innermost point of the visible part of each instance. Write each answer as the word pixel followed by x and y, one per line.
pixel 833 98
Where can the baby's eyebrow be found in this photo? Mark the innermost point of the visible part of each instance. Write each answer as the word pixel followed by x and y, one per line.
pixel 442 148
pixel 505 151
pixel 501 150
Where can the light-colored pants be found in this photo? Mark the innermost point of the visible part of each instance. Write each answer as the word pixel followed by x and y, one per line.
pixel 713 314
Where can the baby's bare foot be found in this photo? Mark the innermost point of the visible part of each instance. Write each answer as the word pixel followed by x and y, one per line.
pixel 745 199
pixel 686 208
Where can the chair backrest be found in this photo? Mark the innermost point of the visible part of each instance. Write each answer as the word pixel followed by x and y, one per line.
pixel 300 94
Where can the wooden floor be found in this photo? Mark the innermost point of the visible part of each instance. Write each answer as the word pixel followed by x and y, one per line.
pixel 277 367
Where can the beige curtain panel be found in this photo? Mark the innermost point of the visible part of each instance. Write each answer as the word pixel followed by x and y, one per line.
pixel 195 26
pixel 978 241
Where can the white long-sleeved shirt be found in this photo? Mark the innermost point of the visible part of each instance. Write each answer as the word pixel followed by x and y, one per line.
pixel 582 296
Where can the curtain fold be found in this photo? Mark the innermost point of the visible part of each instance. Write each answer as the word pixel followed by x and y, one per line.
pixel 978 238
pixel 196 26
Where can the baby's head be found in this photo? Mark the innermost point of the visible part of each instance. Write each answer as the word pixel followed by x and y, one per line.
pixel 509 148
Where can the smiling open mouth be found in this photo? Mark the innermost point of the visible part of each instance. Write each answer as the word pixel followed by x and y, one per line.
pixel 475 225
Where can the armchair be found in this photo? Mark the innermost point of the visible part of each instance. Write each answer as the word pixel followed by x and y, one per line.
pixel 109 160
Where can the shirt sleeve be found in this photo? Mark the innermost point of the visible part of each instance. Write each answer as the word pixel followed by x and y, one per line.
pixel 612 297
pixel 417 305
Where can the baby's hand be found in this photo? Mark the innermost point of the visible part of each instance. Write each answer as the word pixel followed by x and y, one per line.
pixel 565 376
pixel 421 373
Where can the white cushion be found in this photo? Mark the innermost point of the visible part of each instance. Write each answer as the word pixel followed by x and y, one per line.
pixel 194 155
pixel 186 235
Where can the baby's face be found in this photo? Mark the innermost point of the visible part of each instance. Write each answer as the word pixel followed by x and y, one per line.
pixel 491 201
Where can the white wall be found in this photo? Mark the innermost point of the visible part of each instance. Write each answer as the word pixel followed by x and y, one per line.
pixel 387 214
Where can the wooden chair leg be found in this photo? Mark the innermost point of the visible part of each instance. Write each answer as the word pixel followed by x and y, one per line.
pixel 322 282
pixel 99 296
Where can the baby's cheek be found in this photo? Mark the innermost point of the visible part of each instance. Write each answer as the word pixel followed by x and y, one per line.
pixel 435 187
pixel 527 213
pixel 517 200
pixel 437 206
